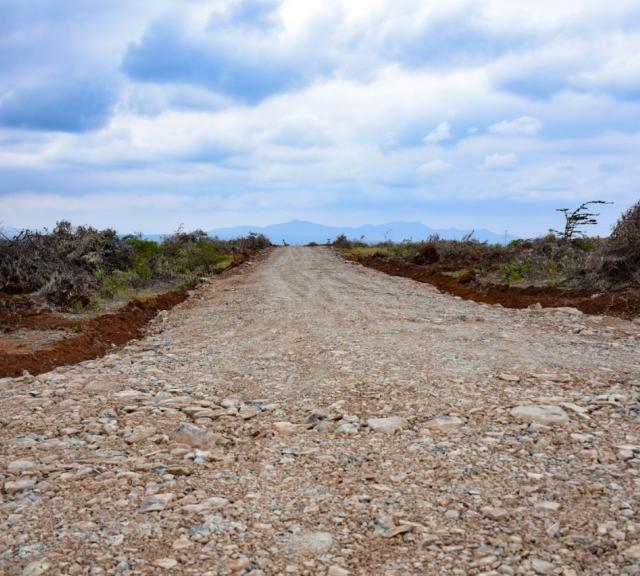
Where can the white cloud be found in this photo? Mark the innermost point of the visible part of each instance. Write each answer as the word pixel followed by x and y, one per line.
pixel 523 126
pixel 352 136
pixel 439 134
pixel 499 161
pixel 434 167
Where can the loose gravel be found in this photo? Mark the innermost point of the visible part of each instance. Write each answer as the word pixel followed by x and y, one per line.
pixel 306 415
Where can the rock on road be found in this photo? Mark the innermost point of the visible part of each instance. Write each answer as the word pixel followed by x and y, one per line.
pixel 305 415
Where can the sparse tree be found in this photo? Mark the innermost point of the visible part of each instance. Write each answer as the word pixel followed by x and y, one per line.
pixel 577 219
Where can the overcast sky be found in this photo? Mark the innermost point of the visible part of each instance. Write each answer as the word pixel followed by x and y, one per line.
pixel 144 115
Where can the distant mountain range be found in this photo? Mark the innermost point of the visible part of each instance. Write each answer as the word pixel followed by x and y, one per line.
pixel 302 232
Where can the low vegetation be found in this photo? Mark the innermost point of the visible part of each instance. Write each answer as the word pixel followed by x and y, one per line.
pixel 73 267
pixel 539 261
pixel 567 258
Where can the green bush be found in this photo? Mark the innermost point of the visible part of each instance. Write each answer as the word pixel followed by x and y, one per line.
pixel 145 249
pixel 143 271
pixel 119 282
pixel 147 257
pixel 515 272
pixel 584 244
pixel 201 257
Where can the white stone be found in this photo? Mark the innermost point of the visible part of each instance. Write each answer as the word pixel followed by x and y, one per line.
pixel 166 563
pixel 20 465
pixel 347 428
pixel 545 414
pixel 156 503
pixel 387 425
pixel 312 543
pixel 542 566
pixel 445 422
pixel 633 552
pixel 36 568
pixel 285 427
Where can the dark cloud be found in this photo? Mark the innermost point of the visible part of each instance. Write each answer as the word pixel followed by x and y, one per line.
pixel 164 56
pixel 59 105
pixel 237 55
pixel 54 72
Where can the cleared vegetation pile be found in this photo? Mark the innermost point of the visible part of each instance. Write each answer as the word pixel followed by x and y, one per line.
pixel 78 267
pixel 619 259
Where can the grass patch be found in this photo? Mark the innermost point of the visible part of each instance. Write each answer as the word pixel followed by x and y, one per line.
pixel 365 251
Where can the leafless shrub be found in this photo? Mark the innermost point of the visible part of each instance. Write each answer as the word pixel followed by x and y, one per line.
pixel 247 245
pixel 66 290
pixel 341 241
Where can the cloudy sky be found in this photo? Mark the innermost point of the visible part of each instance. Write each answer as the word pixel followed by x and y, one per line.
pixel 145 115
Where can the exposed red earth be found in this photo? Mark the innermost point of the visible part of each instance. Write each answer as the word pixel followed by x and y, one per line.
pixel 38 341
pixel 623 303
pixel 78 339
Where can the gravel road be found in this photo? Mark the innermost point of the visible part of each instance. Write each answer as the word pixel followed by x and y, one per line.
pixel 305 415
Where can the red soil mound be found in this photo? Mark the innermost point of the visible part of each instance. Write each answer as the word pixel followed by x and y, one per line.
pixel 91 338
pixel 622 303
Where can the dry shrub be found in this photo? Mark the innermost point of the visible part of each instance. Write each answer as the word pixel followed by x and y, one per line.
pixel 66 266
pixel 247 245
pixel 67 290
pixel 618 262
pixel 426 255
pixel 60 265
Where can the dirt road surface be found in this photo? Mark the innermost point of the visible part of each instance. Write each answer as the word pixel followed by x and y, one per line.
pixel 306 415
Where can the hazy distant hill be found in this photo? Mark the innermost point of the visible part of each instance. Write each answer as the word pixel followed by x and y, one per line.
pixel 302 232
